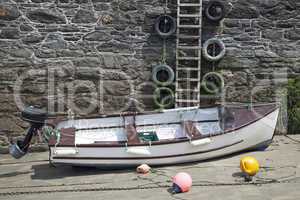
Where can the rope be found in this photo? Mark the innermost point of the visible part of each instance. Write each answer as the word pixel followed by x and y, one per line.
pixel 294 140
pixel 164 52
pixel 214 54
pixel 49 132
pixel 157 185
pixel 166 6
pixel 153 184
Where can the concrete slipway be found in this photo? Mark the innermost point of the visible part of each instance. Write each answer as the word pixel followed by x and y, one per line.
pixel 279 178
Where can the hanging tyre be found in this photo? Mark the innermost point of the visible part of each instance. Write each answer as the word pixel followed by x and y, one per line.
pixel 163 97
pixel 163 75
pixel 213 49
pixel 215 11
pixel 165 25
pixel 213 82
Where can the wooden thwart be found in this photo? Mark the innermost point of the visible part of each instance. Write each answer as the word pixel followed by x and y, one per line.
pixel 130 129
pixel 191 129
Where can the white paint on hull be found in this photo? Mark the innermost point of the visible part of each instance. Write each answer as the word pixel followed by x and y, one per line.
pixel 172 153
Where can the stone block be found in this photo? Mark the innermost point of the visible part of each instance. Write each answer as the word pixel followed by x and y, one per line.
pixel 26 28
pixel 238 63
pixel 98 36
pixel 84 16
pixel 47 16
pixel 293 34
pixel 10 33
pixel 55 41
pixel 117 88
pixel 243 10
pixel 273 34
pixel 116 47
pixel 9 12
pixel 32 38
pixel 128 5
pixel 91 62
pixel 102 6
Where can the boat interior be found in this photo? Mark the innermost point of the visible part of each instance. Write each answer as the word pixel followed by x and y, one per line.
pixel 173 125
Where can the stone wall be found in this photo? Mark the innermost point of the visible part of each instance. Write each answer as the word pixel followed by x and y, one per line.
pixel 93 56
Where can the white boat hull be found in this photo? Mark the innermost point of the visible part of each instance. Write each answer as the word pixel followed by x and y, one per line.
pixel 256 134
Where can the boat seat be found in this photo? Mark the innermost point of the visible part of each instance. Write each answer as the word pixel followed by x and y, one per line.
pixel 132 135
pixel 130 129
pixel 191 130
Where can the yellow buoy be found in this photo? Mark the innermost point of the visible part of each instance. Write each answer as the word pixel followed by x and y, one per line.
pixel 249 165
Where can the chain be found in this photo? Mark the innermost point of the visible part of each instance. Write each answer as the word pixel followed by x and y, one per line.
pixel 49 132
pixel 157 186
pixel 166 6
pixel 164 51
pixel 214 54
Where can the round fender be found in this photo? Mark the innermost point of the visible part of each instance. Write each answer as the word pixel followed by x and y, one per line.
pixel 215 11
pixel 163 75
pixel 165 25
pixel 212 82
pixel 163 101
pixel 210 45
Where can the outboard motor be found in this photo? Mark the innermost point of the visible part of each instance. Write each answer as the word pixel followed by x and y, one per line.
pixel 36 117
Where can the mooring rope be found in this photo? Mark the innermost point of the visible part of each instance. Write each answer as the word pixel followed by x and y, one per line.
pixel 157 185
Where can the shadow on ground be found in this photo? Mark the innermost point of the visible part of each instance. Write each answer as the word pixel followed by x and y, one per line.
pixel 12 174
pixel 45 171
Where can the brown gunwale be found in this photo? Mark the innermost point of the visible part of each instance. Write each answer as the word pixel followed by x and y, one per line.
pixel 153 157
pixel 142 125
pixel 104 145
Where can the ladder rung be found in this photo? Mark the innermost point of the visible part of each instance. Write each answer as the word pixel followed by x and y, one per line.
pixel 188 58
pixel 188 68
pixel 190 74
pixel 189 5
pixel 188 36
pixel 186 90
pixel 187 100
pixel 188 47
pixel 189 26
pixel 189 15
pixel 189 79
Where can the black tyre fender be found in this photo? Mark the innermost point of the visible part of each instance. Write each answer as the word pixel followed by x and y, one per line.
pixel 213 5
pixel 157 97
pixel 166 68
pixel 206 83
pixel 172 24
pixel 213 41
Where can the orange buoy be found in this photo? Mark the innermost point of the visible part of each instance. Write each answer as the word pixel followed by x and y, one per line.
pixel 182 182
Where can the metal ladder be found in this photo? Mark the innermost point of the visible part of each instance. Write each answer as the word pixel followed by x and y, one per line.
pixel 188 53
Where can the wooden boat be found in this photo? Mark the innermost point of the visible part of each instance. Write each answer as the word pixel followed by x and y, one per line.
pixel 168 137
